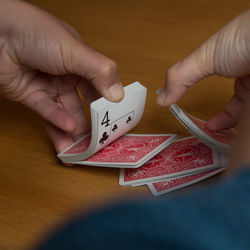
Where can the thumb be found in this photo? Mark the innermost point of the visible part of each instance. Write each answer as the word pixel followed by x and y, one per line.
pixel 98 70
pixel 186 73
pixel 57 53
pixel 225 53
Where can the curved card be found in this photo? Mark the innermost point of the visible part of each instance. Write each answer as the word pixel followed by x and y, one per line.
pixel 219 140
pixel 109 121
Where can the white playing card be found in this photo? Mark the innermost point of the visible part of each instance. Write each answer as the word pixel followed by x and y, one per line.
pixel 109 121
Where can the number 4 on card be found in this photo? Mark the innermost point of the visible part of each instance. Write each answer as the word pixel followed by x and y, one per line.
pixel 106 119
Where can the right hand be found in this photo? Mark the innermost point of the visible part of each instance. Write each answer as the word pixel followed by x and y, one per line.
pixel 226 53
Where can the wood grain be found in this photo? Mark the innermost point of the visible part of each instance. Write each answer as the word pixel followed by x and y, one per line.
pixel 144 37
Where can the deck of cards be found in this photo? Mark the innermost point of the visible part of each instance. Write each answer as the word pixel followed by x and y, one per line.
pixel 219 140
pixel 161 161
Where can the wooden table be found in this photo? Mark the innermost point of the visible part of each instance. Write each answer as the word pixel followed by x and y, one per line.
pixel 144 37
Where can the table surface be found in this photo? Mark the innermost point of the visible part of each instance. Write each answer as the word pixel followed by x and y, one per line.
pixel 144 37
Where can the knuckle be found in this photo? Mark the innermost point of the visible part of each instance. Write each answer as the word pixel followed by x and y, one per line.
pixel 108 68
pixel 172 74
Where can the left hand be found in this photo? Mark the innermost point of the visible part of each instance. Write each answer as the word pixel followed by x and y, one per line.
pixel 43 60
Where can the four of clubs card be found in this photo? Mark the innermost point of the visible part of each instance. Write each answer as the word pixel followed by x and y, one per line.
pixel 108 145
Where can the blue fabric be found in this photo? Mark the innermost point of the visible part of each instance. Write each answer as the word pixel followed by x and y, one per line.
pixel 215 217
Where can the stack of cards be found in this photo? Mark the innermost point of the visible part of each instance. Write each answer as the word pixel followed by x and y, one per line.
pixel 109 121
pixel 160 161
pixel 108 145
pixel 128 151
pixel 183 162
pixel 219 140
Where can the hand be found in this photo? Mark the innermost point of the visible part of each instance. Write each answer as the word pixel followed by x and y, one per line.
pixel 226 53
pixel 42 62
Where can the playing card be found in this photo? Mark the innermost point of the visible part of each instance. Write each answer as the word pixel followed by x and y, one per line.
pixel 130 150
pixel 166 186
pixel 109 121
pixel 219 140
pixel 182 157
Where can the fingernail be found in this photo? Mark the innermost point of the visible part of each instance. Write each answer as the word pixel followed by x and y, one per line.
pixel 116 91
pixel 161 99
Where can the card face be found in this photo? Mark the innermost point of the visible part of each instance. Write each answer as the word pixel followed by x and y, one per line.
pixel 116 120
pixel 109 121
pixel 182 157
pixel 219 140
pixel 166 186
pixel 128 150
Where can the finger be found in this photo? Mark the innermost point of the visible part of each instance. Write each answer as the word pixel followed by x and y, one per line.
pixel 228 117
pixel 224 53
pixel 49 110
pixel 242 88
pixel 233 109
pixel 184 74
pixel 71 103
pixel 98 69
pixel 59 138
pixel 88 91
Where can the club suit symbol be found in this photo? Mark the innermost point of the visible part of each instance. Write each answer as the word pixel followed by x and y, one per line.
pixel 115 128
pixel 128 120
pixel 104 138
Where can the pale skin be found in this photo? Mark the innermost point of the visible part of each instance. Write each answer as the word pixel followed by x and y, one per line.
pixel 226 53
pixel 43 60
